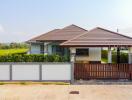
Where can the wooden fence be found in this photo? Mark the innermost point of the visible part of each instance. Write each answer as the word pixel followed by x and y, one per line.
pixel 102 71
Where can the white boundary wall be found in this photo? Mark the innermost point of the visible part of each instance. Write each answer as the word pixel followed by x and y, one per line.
pixel 56 72
pixel 4 72
pixel 35 71
pixel 25 72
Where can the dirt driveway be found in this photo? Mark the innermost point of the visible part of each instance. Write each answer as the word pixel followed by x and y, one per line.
pixel 61 92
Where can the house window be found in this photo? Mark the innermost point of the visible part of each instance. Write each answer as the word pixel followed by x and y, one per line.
pixel 42 49
pixel 82 52
pixel 56 49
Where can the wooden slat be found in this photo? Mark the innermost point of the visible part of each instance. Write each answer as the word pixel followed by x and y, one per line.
pixel 102 71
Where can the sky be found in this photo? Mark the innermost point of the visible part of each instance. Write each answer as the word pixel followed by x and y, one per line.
pixel 21 20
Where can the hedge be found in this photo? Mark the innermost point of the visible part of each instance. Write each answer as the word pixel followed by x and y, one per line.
pixel 33 58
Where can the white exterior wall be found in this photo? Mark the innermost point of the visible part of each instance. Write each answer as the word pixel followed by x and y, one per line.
pixel 4 72
pixel 25 72
pixel 94 55
pixel 56 72
pixel 35 49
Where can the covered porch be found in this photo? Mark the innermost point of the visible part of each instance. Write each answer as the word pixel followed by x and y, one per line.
pixel 97 70
pixel 94 69
pixel 94 55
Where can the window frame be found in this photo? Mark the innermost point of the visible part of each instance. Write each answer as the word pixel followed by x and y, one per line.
pixel 83 54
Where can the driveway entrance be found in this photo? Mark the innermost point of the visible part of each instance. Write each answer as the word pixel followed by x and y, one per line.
pixel 87 71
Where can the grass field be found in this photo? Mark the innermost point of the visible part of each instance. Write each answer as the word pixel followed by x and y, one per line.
pixel 12 51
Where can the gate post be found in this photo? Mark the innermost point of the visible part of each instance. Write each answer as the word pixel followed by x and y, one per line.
pixel 72 59
pixel 72 73
pixel 130 62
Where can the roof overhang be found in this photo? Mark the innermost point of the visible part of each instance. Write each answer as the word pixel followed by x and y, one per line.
pixel 51 40
pixel 96 45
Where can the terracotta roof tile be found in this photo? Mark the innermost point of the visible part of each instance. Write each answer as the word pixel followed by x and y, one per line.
pixel 99 36
pixel 37 37
pixel 63 34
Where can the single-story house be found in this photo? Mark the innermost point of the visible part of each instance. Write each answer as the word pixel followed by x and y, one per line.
pixel 82 45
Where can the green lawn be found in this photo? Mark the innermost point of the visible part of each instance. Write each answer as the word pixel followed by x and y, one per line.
pixel 12 51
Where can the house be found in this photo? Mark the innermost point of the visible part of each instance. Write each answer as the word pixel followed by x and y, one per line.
pixel 49 43
pixel 82 45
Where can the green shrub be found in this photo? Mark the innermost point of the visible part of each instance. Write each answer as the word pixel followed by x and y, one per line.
pixel 123 56
pixel 104 54
pixel 33 58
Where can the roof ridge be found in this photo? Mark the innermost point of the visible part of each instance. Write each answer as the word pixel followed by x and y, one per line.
pixel 79 27
pixel 75 26
pixel 113 32
pixel 92 30
pixel 77 36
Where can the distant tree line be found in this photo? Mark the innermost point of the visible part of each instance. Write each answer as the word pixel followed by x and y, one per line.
pixel 13 45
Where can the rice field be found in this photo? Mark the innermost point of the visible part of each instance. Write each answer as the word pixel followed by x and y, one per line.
pixel 12 51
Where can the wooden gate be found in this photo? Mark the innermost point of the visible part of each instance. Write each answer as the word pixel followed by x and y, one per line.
pixel 102 71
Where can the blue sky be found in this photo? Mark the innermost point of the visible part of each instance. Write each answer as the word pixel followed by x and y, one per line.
pixel 22 19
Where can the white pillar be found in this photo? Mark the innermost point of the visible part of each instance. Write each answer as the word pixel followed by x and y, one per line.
pixel 72 54
pixel 46 48
pixel 109 55
pixel 130 55
pixel 72 59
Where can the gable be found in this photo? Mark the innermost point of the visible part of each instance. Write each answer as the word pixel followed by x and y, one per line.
pixel 63 34
pixel 99 36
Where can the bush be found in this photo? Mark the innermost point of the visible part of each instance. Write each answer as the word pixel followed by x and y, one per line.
pixel 123 56
pixel 33 58
pixel 104 54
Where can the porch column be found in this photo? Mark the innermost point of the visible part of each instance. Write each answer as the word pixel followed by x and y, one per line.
pixel 72 54
pixel 72 59
pixel 109 55
pixel 46 48
pixel 130 55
